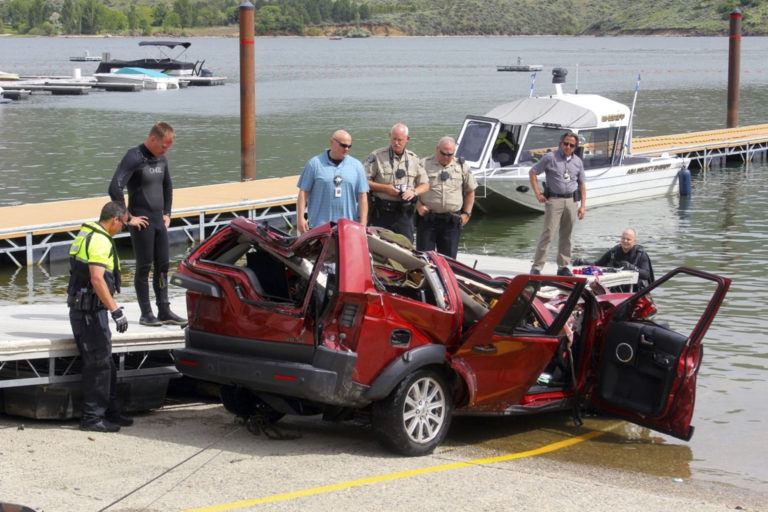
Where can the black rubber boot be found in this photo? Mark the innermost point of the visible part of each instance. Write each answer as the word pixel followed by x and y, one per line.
pixel 147 316
pixel 166 316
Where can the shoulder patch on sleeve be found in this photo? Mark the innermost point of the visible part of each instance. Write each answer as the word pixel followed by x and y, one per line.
pixel 371 158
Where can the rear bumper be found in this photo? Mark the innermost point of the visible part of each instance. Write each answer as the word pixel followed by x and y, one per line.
pixel 327 379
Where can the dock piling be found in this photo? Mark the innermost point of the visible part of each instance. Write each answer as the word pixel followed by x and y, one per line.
pixel 734 65
pixel 247 93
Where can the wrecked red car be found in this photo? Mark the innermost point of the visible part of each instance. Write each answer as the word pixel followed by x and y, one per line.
pixel 344 319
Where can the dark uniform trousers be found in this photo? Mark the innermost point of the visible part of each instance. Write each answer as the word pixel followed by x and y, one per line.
pixel 395 216
pixel 99 375
pixel 439 231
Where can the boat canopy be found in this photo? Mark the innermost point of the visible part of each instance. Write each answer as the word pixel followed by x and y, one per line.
pixel 168 44
pixel 576 111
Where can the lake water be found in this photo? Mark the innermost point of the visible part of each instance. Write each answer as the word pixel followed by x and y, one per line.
pixel 67 147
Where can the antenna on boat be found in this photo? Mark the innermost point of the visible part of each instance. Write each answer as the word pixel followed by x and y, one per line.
pixel 628 134
pixel 577 80
pixel 533 82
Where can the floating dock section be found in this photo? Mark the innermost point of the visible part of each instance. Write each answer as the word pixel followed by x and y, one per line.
pixel 40 368
pixel 41 232
pixel 746 143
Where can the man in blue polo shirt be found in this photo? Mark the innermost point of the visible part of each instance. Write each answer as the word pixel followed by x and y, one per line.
pixel 332 186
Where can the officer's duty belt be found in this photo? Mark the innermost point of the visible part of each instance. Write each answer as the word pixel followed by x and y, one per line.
pixel 393 206
pixel 572 195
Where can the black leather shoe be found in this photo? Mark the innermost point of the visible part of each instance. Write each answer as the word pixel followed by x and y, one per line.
pixel 564 271
pixel 100 425
pixel 150 320
pixel 120 419
pixel 171 318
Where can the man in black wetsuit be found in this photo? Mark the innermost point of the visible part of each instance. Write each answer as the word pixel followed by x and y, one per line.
pixel 629 256
pixel 144 171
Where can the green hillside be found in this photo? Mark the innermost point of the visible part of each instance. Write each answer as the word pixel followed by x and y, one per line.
pixel 593 17
pixel 383 17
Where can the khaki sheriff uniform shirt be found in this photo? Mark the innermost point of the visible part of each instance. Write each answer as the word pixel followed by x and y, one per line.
pixel 382 165
pixel 446 196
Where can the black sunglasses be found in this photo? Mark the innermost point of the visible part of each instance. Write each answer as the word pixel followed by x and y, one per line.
pixel 568 144
pixel 345 146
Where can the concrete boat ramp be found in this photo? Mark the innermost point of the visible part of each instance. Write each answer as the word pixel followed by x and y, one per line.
pixel 190 455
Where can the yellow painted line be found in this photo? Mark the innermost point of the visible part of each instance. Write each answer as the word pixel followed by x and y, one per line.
pixel 303 493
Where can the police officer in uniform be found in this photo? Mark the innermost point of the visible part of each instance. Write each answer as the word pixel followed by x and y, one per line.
pixel 396 179
pixel 447 206
pixel 94 279
pixel 565 188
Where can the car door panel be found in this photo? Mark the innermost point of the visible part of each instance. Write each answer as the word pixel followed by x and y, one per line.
pixel 647 372
pixel 639 366
pixel 504 353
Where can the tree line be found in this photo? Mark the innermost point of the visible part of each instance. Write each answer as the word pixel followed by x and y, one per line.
pixel 413 17
pixel 87 17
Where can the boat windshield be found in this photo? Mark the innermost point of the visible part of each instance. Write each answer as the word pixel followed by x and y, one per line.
pixel 601 148
pixel 597 148
pixel 539 141
pixel 474 140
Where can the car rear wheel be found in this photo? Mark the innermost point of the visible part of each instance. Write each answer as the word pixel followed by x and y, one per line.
pixel 241 402
pixel 414 419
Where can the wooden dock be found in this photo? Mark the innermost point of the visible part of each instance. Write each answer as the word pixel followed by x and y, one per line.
pixel 745 143
pixel 38 232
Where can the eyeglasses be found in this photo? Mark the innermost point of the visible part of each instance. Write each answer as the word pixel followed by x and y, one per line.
pixel 345 146
pixel 568 144
pixel 445 154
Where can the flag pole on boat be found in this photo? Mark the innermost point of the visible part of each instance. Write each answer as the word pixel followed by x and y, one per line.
pixel 628 134
pixel 533 83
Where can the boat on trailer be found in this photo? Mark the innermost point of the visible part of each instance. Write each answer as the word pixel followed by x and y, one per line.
pixel 502 146
pixel 166 62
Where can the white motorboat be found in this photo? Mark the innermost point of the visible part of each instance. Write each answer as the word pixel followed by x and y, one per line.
pixel 165 62
pixel 149 78
pixel 503 145
pixel 8 76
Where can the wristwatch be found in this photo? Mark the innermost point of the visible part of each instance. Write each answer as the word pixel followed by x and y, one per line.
pixel 468 214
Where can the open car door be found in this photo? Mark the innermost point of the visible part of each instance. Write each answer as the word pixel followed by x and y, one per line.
pixel 503 354
pixel 647 369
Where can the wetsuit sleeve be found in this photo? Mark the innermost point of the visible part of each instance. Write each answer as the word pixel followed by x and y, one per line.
pixel 604 260
pixel 643 265
pixel 167 191
pixel 125 170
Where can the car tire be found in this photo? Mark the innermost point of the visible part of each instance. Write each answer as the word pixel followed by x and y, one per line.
pixel 244 404
pixel 414 419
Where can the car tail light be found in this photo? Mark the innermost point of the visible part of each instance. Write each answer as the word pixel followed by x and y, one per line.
pixel 644 308
pixel 280 376
pixel 188 362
